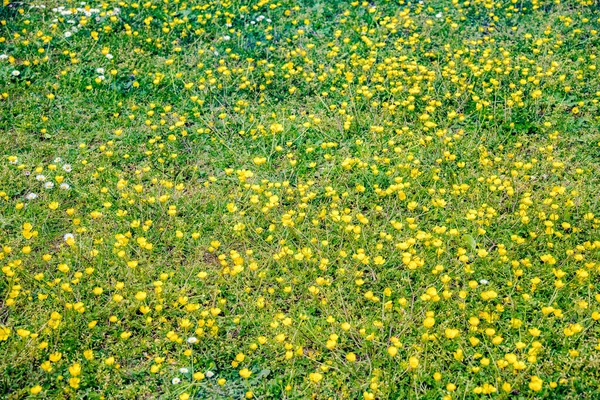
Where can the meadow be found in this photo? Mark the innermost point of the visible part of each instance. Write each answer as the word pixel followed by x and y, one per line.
pixel 278 199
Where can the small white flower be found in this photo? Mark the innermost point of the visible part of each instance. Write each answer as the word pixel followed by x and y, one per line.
pixel 31 196
pixel 40 178
pixel 226 37
pixel 15 73
pixel 57 160
pixel 68 236
pixel 65 186
pixel 100 71
pixel 192 340
pixel 67 168
pixel 68 34
pixel 48 185
pixel 484 281
pixel 184 370
pixel 439 15
pixel 3 56
pixel 209 374
pixel 101 77
pixel 109 56
pixel 176 381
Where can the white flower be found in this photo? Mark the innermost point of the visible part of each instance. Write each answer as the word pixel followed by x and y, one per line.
pixel 68 34
pixel 57 160
pixel 484 281
pixel 209 374
pixel 109 56
pixel 101 77
pixel 3 56
pixel 226 37
pixel 192 340
pixel 48 185
pixel 40 178
pixel 100 71
pixel 67 167
pixel 184 370
pixel 31 196
pixel 68 236
pixel 439 15
pixel 15 73
pixel 65 186
pixel 175 381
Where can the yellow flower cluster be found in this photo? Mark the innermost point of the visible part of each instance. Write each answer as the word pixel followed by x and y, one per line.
pixel 280 199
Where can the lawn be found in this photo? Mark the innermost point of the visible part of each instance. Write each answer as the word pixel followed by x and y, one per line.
pixel 277 199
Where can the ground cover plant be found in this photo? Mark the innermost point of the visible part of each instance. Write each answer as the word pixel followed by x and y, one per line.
pixel 317 199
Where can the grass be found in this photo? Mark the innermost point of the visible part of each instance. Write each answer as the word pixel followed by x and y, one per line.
pixel 234 199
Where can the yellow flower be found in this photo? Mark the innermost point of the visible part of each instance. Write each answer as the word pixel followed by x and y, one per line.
pixel 75 369
pixel 451 333
pixel 198 376
pixel 4 333
pixel 429 322
pixel 35 389
pixel 413 362
pixel 536 384
pixel 245 373
pixel 74 383
pixel 392 351
pixel 315 377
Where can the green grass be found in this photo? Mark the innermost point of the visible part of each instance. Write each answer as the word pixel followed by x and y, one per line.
pixel 335 199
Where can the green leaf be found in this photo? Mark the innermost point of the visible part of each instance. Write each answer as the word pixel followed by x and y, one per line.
pixel 470 241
